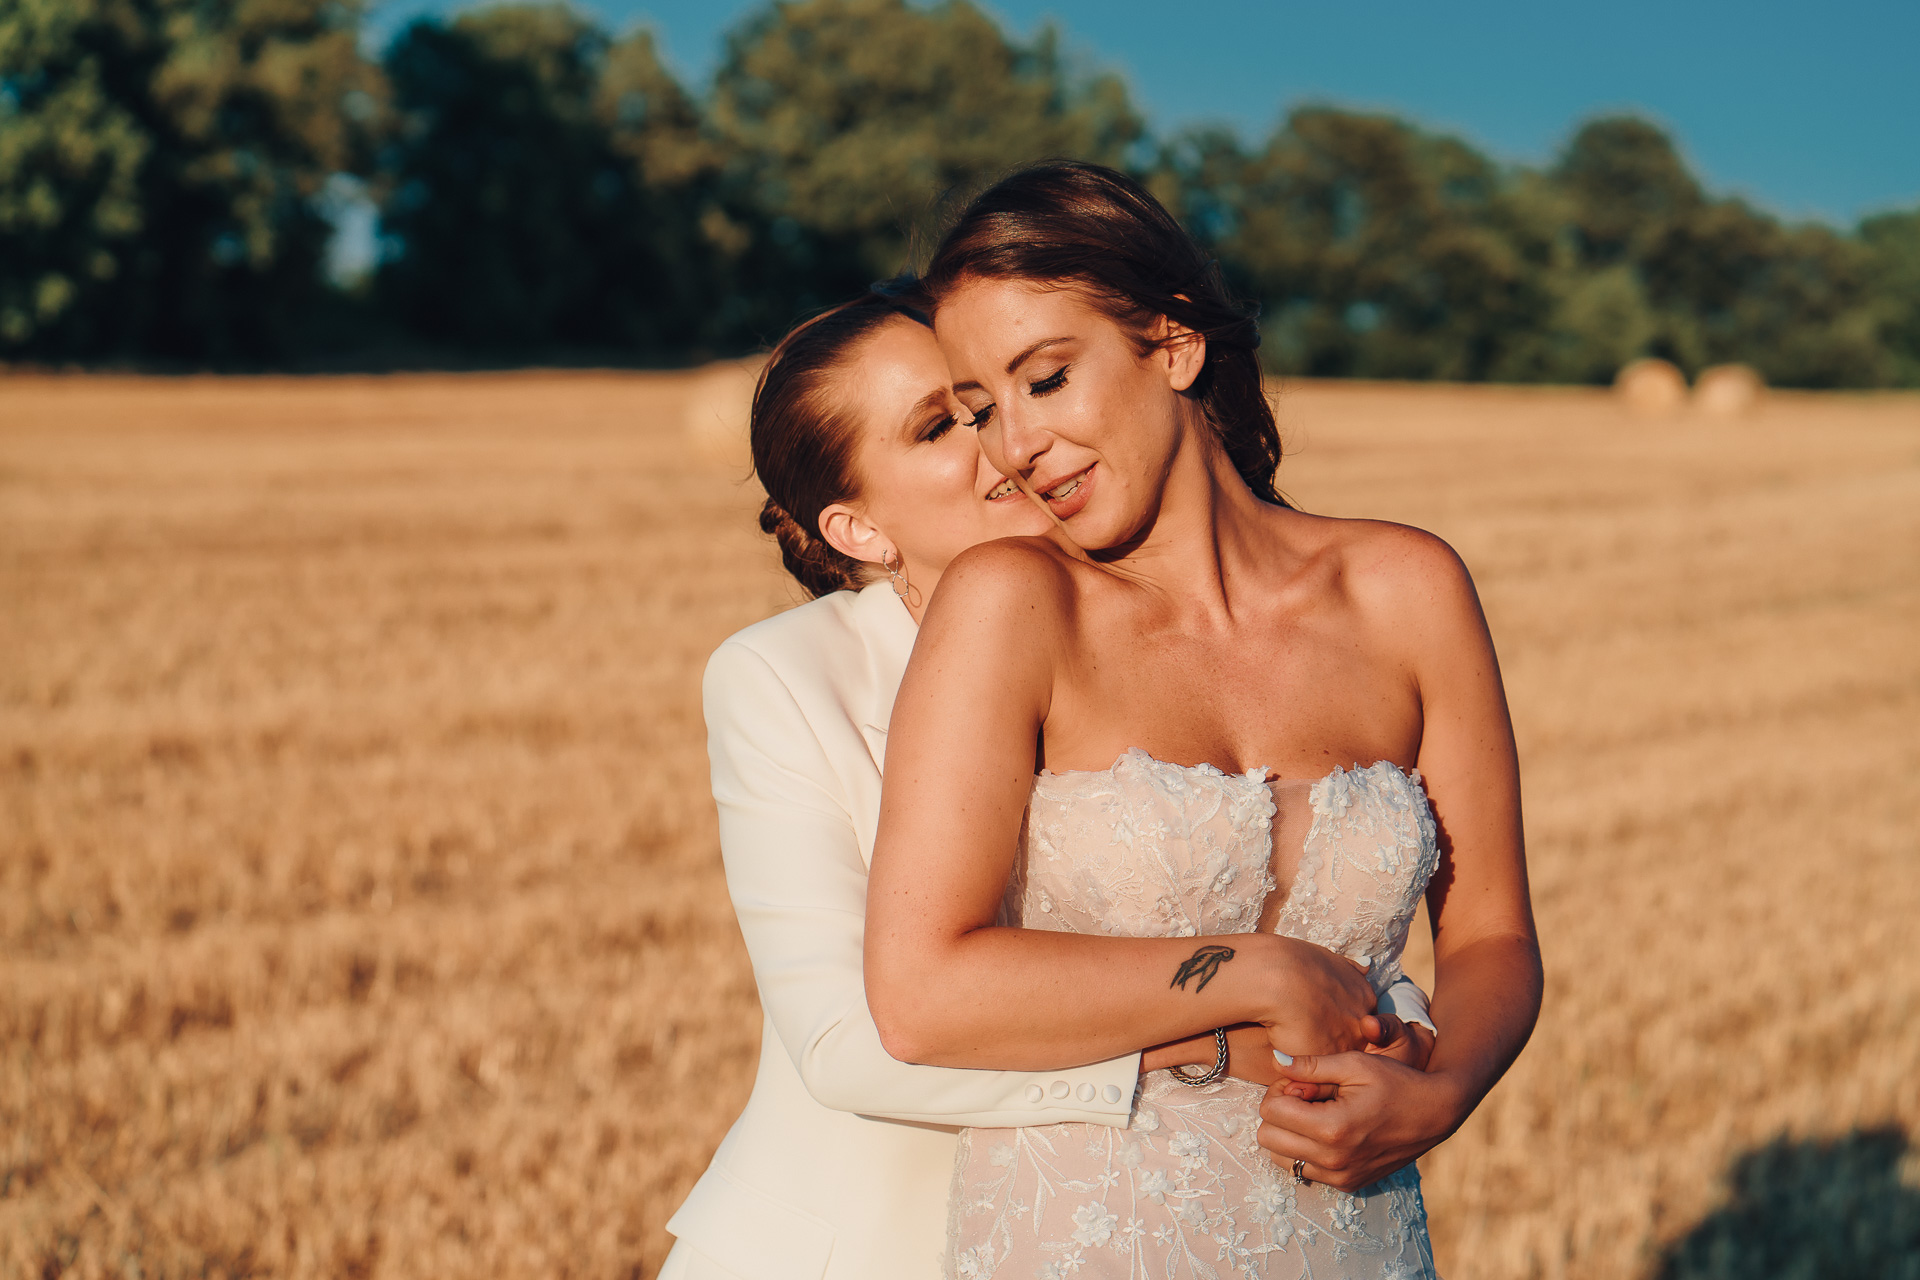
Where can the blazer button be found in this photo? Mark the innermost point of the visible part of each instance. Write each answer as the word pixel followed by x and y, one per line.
pixel 1085 1093
pixel 1061 1088
pixel 1111 1093
pixel 1035 1093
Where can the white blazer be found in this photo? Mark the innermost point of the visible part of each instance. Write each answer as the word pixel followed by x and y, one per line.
pixel 839 1167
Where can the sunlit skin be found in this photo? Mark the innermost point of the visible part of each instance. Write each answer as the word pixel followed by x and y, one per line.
pixel 927 494
pixel 926 491
pixel 1073 379
pixel 1202 625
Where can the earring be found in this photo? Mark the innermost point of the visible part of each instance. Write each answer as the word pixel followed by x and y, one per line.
pixel 897 570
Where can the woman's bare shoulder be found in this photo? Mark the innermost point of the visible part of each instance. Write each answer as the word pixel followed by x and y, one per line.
pixel 1396 574
pixel 1000 620
pixel 1009 577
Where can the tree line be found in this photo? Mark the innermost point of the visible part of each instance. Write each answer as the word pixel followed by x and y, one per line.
pixel 171 172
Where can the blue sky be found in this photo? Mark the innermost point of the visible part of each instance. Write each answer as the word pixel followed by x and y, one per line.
pixel 1812 111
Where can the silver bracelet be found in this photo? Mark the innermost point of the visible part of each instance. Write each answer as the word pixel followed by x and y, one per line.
pixel 1219 1063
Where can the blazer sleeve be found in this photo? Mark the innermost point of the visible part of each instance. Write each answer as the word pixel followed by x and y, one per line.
pixel 799 887
pixel 1406 1000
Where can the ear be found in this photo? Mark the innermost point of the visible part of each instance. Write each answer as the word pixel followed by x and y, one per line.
pixel 851 534
pixel 1183 352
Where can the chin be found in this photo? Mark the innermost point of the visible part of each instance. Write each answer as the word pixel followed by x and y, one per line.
pixel 1094 534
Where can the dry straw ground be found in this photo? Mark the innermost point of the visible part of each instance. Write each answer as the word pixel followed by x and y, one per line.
pixel 360 912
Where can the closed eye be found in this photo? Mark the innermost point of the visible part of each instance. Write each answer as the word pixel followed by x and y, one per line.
pixel 1049 384
pixel 982 416
pixel 938 428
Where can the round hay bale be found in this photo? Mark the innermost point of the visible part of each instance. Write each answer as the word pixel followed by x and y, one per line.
pixel 718 406
pixel 1728 390
pixel 1650 387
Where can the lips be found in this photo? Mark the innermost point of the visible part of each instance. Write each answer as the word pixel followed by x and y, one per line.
pixel 1005 489
pixel 1067 496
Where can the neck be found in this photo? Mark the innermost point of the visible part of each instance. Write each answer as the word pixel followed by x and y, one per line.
pixel 1207 530
pixel 917 598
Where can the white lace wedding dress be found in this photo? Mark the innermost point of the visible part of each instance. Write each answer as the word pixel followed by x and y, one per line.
pixel 1149 849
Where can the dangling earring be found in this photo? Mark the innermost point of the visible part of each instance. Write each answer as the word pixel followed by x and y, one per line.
pixel 897 570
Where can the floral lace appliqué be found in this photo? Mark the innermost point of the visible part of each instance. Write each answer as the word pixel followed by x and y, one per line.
pixel 1149 849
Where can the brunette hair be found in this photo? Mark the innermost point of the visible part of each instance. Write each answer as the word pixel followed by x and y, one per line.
pixel 803 433
pixel 1068 223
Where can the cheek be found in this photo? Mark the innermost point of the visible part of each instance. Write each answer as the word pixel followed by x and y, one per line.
pixel 929 497
pixel 1104 407
pixel 952 468
pixel 1135 423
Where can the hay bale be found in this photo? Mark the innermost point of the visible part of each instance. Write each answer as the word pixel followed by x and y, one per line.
pixel 1728 390
pixel 718 405
pixel 1650 387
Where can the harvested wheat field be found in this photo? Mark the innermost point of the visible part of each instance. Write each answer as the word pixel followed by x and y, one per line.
pixel 360 909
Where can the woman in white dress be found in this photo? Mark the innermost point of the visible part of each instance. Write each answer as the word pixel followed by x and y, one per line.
pixel 1237 714
pixel 839 1165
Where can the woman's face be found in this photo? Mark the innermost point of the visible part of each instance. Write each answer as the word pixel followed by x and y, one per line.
pixel 925 486
pixel 1064 401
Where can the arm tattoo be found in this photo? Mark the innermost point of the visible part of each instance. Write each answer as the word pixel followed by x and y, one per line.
pixel 1202 964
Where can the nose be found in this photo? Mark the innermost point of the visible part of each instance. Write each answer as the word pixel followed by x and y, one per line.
pixel 1014 443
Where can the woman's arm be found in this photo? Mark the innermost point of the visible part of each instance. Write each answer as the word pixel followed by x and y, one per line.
pixel 945 984
pixel 1487 974
pixel 799 885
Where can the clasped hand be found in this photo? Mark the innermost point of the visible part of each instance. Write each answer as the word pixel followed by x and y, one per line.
pixel 1382 1115
pixel 1323 1004
pixel 1354 1103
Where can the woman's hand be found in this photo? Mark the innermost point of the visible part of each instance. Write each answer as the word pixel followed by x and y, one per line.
pixel 1324 1004
pixel 1404 1042
pixel 1383 1116
pixel 1408 1043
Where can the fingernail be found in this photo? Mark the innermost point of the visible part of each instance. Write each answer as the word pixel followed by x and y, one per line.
pixel 1284 1059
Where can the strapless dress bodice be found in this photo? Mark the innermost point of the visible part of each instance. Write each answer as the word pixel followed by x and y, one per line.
pixel 1152 849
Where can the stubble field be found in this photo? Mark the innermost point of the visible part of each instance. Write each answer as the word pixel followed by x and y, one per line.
pixel 360 907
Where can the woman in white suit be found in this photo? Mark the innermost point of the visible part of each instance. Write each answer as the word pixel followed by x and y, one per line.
pixel 839 1166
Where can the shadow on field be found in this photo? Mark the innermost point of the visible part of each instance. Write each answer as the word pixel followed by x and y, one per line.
pixel 1815 1210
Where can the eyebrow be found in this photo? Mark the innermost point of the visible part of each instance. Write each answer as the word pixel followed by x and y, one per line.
pixel 1014 363
pixel 936 398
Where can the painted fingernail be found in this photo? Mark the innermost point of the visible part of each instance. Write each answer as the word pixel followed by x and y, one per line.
pixel 1284 1059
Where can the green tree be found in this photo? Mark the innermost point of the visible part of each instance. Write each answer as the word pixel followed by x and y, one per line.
pixel 519 212
pixel 846 121
pixel 1626 184
pixel 1380 250
pixel 651 119
pixel 1377 250
pixel 1731 283
pixel 1893 240
pixel 162 164
pixel 1721 281
pixel 159 164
